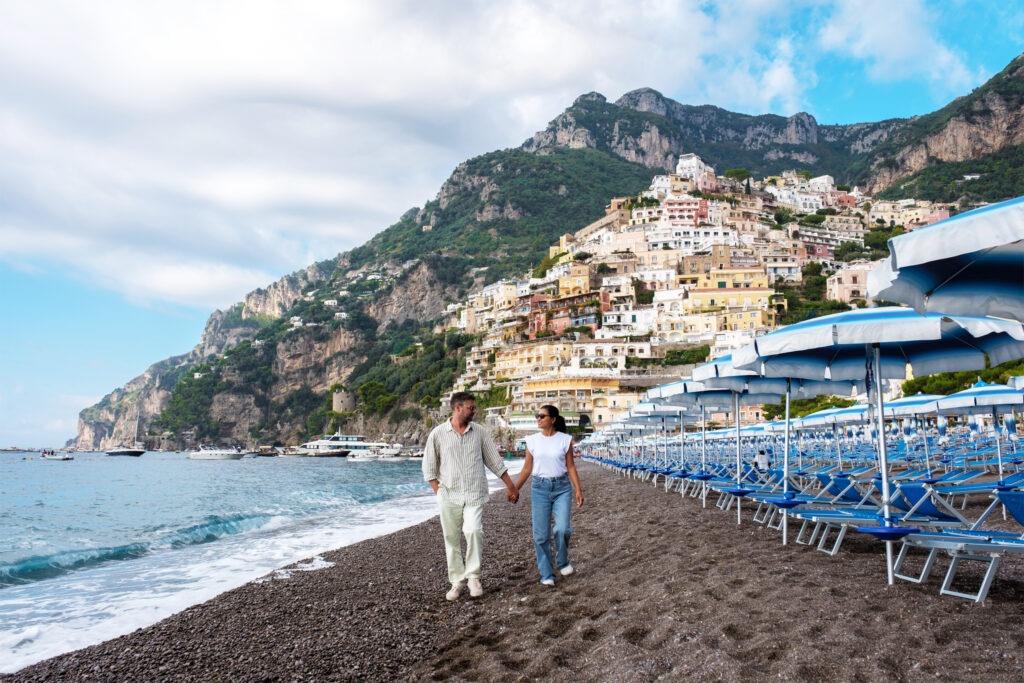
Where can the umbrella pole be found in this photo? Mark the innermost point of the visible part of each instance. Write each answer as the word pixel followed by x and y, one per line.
pixel 999 448
pixel 927 455
pixel 883 461
pixel 664 437
pixel 839 451
pixel 682 441
pixel 703 457
pixel 739 463
pixel 785 470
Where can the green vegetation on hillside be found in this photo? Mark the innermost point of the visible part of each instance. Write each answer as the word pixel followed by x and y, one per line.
pixel 952 382
pixel 806 299
pixel 1001 177
pixel 552 194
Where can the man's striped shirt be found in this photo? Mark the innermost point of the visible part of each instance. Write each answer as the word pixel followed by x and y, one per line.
pixel 457 462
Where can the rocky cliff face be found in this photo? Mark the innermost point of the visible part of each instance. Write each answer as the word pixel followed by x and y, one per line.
pixel 989 125
pixel 317 362
pixel 111 422
pixel 645 127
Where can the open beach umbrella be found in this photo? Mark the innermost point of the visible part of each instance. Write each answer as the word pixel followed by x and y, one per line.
pixel 669 416
pixel 876 343
pixel 913 406
pixel 984 398
pixel 970 264
pixel 722 373
pixel 697 394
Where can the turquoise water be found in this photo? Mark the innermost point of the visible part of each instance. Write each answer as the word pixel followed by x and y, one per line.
pixel 98 546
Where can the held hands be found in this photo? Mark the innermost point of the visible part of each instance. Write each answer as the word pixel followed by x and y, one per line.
pixel 512 495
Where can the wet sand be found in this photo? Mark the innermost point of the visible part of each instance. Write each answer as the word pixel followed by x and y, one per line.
pixel 664 590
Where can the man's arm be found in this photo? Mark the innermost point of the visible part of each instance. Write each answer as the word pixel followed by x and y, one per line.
pixel 431 464
pixel 512 495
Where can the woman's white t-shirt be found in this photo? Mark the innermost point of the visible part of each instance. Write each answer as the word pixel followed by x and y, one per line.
pixel 549 453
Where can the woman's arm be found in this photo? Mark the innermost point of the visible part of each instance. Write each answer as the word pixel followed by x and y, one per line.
pixel 524 473
pixel 570 466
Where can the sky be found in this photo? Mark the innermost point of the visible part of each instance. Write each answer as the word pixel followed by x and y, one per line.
pixel 160 160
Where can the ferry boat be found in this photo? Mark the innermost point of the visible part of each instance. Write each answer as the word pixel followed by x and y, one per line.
pixel 328 446
pixel 360 450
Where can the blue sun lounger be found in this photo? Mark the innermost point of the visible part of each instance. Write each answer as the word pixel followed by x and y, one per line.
pixel 971 545
pixel 912 504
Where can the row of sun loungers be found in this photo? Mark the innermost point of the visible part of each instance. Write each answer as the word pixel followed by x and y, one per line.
pixel 926 506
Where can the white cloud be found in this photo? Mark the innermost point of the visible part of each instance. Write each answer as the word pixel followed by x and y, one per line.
pixel 897 41
pixel 211 146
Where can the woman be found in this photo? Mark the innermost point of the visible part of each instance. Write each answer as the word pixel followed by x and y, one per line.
pixel 549 458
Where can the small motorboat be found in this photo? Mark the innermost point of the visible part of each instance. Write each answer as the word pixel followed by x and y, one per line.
pixel 54 455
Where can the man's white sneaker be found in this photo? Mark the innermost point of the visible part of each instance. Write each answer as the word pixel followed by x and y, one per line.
pixel 566 570
pixel 547 582
pixel 454 593
pixel 475 589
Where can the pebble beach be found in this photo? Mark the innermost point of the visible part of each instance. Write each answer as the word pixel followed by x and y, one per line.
pixel 664 589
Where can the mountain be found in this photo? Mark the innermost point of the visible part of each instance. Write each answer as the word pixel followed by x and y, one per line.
pixel 646 127
pixel 365 317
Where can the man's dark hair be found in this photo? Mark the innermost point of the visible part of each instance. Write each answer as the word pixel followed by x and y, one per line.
pixel 460 397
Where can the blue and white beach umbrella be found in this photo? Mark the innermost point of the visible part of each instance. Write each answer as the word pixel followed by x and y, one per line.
pixel 721 373
pixel 876 343
pixel 698 395
pixel 983 398
pixel 970 264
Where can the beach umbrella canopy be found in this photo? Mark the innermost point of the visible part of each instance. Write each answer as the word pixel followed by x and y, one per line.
pixel 833 346
pixel 970 264
pixel 876 343
pixel 918 404
pixel 981 397
pixel 984 398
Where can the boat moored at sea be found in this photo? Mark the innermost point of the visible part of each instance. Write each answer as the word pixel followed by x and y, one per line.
pixel 127 450
pixel 213 453
pixel 54 455
pixel 328 446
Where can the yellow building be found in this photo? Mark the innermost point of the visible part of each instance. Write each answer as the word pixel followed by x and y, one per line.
pixel 594 401
pixel 531 359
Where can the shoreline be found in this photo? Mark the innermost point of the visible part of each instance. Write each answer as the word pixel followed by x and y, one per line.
pixel 663 589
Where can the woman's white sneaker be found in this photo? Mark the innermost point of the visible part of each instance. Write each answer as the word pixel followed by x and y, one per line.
pixel 566 570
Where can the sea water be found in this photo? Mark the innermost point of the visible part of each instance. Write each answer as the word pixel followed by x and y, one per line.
pixel 98 546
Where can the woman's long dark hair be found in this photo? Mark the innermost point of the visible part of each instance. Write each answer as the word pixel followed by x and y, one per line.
pixel 559 420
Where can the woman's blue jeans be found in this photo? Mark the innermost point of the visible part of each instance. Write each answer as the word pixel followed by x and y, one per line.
pixel 551 498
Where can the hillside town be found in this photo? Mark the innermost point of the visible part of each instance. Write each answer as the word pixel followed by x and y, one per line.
pixel 694 263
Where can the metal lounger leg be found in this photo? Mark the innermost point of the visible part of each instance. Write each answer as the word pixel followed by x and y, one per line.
pixel 840 534
pixel 986 582
pixel 925 571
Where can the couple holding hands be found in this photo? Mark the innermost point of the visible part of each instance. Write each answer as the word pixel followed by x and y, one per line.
pixel 454 459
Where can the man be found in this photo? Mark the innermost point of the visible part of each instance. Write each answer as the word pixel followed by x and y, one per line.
pixel 453 463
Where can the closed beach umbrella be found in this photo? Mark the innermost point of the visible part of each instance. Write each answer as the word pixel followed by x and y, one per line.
pixel 971 264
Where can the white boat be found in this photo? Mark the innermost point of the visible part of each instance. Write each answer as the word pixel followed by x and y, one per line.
pixel 53 455
pixel 329 446
pixel 211 453
pixel 392 453
pixel 360 450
